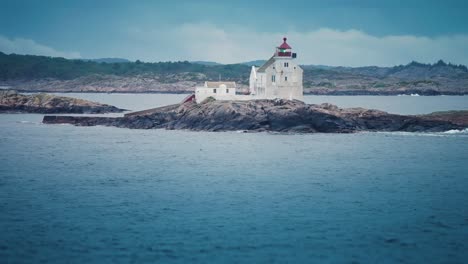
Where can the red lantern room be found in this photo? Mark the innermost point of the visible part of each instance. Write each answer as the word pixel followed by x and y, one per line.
pixel 284 50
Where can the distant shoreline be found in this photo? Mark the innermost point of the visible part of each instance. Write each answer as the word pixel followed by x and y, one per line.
pixel 320 93
pixel 20 72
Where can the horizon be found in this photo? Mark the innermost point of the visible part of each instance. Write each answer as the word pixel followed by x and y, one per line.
pixel 331 33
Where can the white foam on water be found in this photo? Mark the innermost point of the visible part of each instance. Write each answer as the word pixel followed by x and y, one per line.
pixel 415 94
pixel 28 122
pixel 457 131
pixel 449 133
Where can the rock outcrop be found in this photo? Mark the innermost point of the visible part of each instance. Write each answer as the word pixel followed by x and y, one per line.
pixel 13 102
pixel 264 115
pixel 457 117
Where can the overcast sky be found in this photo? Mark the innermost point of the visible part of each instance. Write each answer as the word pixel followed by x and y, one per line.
pixel 346 33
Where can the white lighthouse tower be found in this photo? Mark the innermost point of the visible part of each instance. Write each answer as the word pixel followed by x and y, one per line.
pixel 279 77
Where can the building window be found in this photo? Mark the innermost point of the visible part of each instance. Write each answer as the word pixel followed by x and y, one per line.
pixel 273 78
pixel 285 78
pixel 214 90
pixel 286 64
pixel 227 90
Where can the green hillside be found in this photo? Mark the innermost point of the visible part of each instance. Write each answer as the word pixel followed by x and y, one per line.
pixel 28 67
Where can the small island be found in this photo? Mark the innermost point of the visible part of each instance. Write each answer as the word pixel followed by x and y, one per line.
pixel 273 102
pixel 13 102
pixel 278 115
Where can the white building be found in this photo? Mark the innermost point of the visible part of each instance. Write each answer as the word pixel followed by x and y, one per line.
pixel 279 77
pixel 217 90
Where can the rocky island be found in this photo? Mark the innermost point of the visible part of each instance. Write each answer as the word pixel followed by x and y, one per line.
pixel 13 102
pixel 269 115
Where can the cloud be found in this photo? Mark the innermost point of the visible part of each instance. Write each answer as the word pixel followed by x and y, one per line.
pixel 209 42
pixel 204 41
pixel 28 46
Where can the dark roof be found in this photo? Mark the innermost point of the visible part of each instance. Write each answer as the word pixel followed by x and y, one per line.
pixel 284 45
pixel 267 63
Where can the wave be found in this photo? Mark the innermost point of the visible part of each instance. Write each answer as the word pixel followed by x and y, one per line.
pixel 415 94
pixel 28 122
pixel 457 131
pixel 449 133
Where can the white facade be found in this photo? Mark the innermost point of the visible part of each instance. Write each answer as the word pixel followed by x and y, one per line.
pixel 217 90
pixel 279 77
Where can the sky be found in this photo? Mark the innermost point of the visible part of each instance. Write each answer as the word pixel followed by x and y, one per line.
pixel 331 32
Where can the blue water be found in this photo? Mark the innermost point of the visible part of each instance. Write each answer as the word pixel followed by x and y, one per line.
pixel 107 195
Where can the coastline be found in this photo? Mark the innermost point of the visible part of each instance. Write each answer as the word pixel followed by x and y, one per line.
pixel 306 93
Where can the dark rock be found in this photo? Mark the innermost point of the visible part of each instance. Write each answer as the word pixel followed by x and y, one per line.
pixel 13 102
pixel 264 115
pixel 457 117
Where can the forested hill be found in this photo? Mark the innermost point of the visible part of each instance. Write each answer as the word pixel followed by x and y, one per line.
pixel 40 73
pixel 29 67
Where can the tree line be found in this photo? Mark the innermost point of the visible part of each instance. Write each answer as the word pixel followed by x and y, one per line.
pixel 14 66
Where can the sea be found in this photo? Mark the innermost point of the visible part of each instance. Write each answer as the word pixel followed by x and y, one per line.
pixel 112 195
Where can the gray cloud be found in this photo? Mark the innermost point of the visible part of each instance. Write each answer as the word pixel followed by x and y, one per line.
pixel 204 41
pixel 28 46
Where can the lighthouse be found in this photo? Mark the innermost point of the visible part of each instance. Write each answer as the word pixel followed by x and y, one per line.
pixel 279 77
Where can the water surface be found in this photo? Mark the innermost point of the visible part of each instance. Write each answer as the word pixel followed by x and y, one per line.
pixel 110 195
